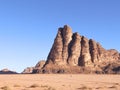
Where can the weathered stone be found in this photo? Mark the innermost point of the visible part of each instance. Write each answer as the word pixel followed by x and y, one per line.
pixel 72 53
pixel 93 50
pixel 85 57
pixel 74 50
pixel 59 52
pixel 113 55
pixel 28 70
pixel 55 55
pixel 67 37
pixel 38 66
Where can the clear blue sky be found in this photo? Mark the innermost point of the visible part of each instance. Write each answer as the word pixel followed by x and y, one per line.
pixel 28 27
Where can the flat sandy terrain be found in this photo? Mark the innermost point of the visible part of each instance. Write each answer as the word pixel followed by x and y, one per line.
pixel 59 82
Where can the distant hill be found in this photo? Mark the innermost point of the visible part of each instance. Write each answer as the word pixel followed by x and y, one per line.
pixel 7 71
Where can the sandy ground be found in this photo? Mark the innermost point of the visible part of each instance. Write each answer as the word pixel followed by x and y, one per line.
pixel 59 82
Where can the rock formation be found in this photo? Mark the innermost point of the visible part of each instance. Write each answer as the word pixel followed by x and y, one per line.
pixel 72 52
pixel 7 71
pixel 39 66
pixel 30 70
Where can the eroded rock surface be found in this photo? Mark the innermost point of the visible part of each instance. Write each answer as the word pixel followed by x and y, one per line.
pixel 72 52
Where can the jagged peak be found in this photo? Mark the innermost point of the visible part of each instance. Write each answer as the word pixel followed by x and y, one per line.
pixel 66 27
pixel 65 30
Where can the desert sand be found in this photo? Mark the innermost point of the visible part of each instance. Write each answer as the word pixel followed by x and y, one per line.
pixel 59 82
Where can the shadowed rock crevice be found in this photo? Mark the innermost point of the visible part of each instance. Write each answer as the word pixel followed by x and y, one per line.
pixel 85 57
pixel 81 61
pixel 93 50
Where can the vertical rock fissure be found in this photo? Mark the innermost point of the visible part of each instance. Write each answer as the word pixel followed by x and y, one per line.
pixel 69 49
pixel 91 50
pixel 81 62
pixel 74 50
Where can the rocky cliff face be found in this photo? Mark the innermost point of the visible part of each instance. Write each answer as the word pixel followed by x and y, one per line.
pixel 71 51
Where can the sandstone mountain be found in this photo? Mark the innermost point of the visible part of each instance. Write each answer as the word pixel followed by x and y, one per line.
pixel 74 53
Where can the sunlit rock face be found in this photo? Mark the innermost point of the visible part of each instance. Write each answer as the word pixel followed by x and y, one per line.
pixel 71 52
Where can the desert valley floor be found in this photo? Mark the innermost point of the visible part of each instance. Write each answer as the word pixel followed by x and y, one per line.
pixel 59 82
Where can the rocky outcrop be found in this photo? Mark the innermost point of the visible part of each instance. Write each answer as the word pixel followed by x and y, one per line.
pixel 7 71
pixel 72 52
pixel 28 70
pixel 38 66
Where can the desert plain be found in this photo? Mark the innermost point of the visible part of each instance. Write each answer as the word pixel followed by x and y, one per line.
pixel 59 82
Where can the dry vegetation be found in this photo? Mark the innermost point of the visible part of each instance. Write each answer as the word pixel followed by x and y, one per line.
pixel 59 82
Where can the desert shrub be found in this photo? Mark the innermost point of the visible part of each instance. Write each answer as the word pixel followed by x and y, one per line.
pixel 113 87
pixel 16 85
pixel 34 86
pixel 85 88
pixel 5 88
pixel 46 87
pixel 51 88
